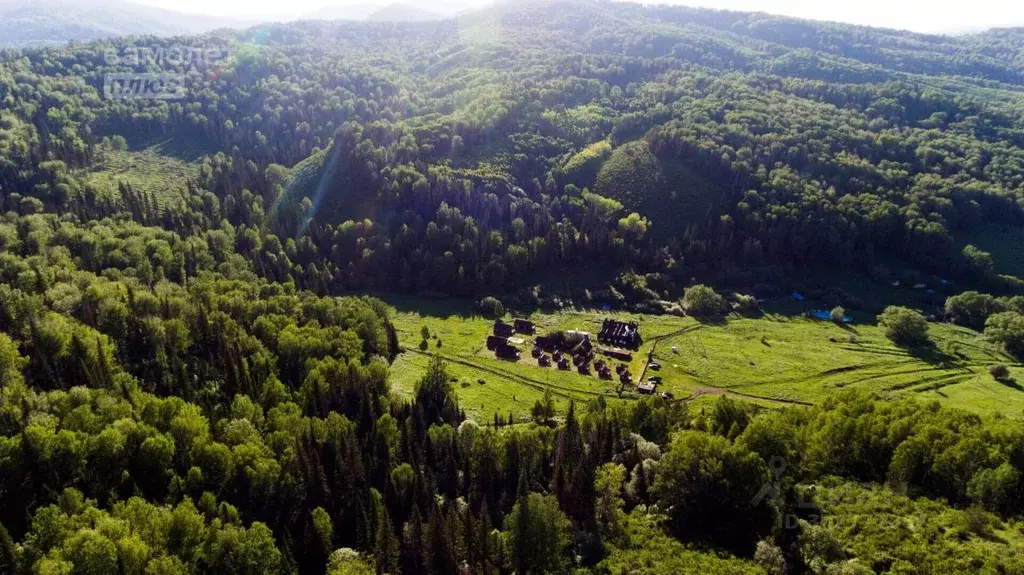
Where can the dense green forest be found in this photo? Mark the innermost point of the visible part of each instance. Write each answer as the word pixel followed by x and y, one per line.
pixel 460 156
pixel 192 378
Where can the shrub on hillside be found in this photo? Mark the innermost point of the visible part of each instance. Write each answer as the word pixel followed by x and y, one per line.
pixel 904 326
pixel 745 304
pixel 702 301
pixel 1007 328
pixel 837 314
pixel 999 372
pixel 491 307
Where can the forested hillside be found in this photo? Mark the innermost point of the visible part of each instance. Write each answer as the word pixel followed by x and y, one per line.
pixel 193 379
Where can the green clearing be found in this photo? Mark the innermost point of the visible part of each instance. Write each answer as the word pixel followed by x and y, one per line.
pixel 158 168
pixel 880 526
pixel 772 360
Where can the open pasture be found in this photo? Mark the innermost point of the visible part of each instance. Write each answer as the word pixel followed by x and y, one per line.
pixel 773 359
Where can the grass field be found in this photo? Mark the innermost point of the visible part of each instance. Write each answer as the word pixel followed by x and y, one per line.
pixel 774 359
pixel 157 168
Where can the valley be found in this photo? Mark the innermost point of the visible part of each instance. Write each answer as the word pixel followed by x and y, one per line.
pixel 562 287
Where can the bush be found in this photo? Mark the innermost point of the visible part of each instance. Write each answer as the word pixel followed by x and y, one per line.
pixel 1007 328
pixel 972 308
pixel 491 307
pixel 904 326
pixel 702 301
pixel 745 304
pixel 837 314
pixel 999 372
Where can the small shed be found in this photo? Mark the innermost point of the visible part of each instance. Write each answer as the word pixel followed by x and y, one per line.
pixel 507 352
pixel 502 329
pixel 524 326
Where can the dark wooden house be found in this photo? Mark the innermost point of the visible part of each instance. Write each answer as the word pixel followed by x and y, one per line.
pixel 614 332
pixel 494 341
pixel 619 354
pixel 506 351
pixel 502 329
pixel 524 326
pixel 546 342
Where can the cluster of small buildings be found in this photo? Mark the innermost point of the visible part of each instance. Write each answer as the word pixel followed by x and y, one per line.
pixel 572 349
pixel 503 344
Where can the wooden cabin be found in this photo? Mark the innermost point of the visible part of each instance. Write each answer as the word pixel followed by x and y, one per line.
pixel 547 342
pixel 507 351
pixel 494 341
pixel 626 334
pixel 619 354
pixel 524 326
pixel 502 329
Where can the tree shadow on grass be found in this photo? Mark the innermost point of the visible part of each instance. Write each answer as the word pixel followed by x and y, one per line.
pixel 1011 383
pixel 710 320
pixel 185 149
pixel 428 306
pixel 929 353
pixel 849 328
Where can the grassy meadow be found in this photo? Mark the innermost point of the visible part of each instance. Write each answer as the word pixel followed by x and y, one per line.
pixel 158 168
pixel 774 359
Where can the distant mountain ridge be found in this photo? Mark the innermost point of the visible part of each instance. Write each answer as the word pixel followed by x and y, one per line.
pixel 46 22
pixel 399 12
pixel 358 12
pixel 395 12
